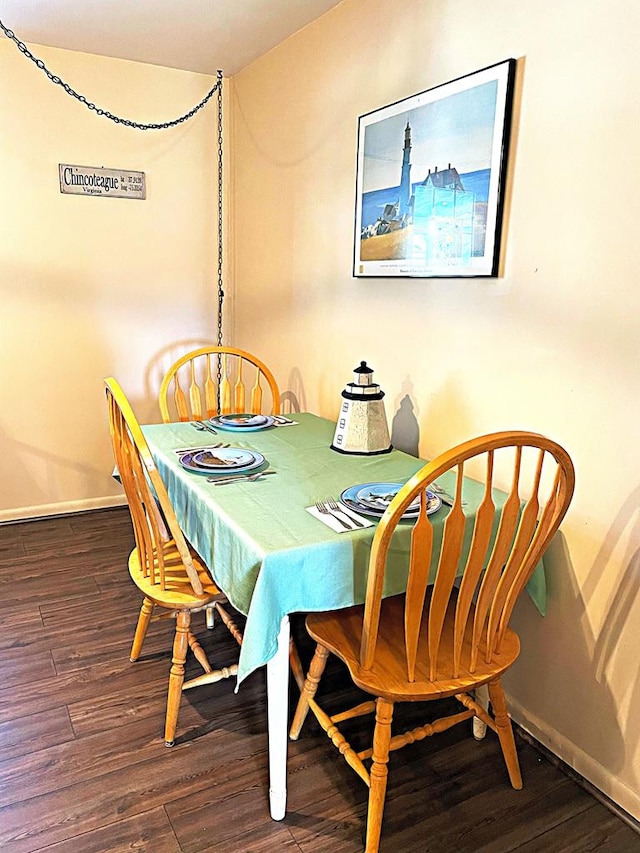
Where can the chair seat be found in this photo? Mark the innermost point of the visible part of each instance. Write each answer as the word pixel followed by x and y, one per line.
pixel 341 632
pixel 178 592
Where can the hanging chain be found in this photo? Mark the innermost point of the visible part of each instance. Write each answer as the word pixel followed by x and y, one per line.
pixel 220 236
pixel 98 110
pixel 220 211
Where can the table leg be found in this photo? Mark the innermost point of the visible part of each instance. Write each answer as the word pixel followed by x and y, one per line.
pixel 277 718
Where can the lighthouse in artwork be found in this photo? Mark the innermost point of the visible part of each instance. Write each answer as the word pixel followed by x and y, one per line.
pixel 405 177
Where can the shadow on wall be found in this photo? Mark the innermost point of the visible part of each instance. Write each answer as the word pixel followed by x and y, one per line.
pixel 619 628
pixel 294 398
pixel 442 414
pixel 565 704
pixel 41 477
pixel 158 366
pixel 405 432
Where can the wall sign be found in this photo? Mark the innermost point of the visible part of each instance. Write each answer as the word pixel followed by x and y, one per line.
pixel 89 180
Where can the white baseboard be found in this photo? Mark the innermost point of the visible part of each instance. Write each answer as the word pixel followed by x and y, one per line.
pixel 64 508
pixel 578 760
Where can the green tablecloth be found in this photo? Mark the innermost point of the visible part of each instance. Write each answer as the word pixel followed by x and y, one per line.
pixel 267 553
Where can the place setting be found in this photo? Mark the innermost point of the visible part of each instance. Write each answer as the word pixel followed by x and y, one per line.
pixel 373 499
pixel 223 463
pixel 246 422
pixel 361 505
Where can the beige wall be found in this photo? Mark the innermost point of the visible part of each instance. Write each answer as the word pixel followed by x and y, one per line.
pixel 552 345
pixel 94 286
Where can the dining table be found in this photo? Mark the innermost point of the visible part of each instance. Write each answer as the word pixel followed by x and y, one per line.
pixel 268 549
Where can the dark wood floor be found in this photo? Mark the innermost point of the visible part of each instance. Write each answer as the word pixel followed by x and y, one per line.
pixel 83 766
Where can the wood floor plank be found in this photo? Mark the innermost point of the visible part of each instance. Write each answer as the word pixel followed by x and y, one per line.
pixel 131 742
pixel 149 832
pixel 28 631
pixel 102 711
pixel 70 687
pixel 111 638
pixel 228 799
pixel 42 530
pixel 120 794
pixel 34 732
pixel 47 564
pixel 20 623
pixel 112 522
pixel 11 549
pixel 594 829
pixel 12 532
pixel 123 599
pixel 17 589
pixel 18 668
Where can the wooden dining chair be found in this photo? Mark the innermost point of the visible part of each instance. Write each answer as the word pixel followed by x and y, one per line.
pixel 167 571
pixel 442 638
pixel 217 380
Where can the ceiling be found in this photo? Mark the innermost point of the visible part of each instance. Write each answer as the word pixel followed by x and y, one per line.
pixel 194 35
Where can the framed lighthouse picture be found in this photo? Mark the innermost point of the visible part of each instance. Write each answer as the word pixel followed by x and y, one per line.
pixel 431 180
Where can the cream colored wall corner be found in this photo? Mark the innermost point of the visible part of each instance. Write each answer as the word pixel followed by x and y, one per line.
pixel 91 287
pixel 552 345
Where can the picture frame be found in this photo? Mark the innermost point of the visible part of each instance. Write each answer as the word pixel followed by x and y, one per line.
pixel 430 179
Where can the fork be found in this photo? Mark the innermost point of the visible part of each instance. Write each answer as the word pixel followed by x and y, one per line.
pixel 324 509
pixel 333 506
pixel 203 426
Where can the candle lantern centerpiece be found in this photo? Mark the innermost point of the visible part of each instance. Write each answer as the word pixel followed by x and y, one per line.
pixel 362 423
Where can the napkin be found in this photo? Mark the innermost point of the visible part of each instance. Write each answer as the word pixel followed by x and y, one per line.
pixel 332 522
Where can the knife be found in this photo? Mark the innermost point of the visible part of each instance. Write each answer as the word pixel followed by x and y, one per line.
pixel 221 481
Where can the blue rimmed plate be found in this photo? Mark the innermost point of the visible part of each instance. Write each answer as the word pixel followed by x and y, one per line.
pixel 374 498
pixel 189 463
pixel 242 422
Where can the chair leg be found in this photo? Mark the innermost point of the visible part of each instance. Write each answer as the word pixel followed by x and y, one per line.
pixel 296 664
pixel 199 652
pixel 505 732
pixel 176 675
pixel 378 773
pixel 146 612
pixel 210 614
pixel 316 669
